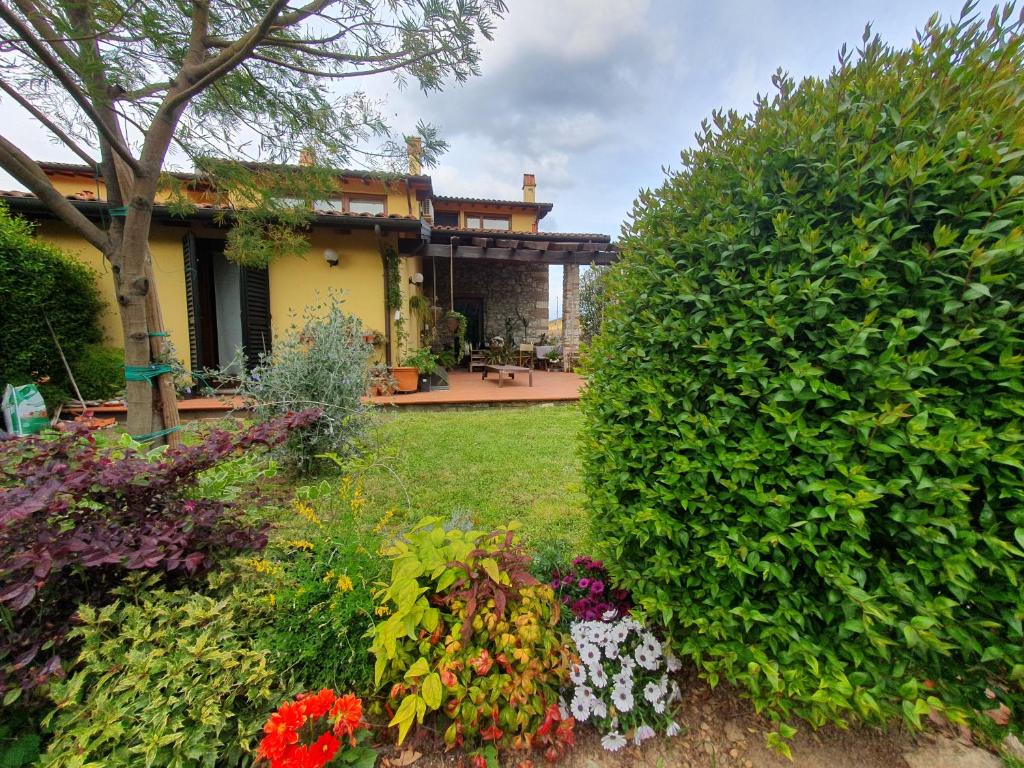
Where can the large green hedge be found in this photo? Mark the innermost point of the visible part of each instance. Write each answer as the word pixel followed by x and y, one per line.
pixel 38 281
pixel 804 443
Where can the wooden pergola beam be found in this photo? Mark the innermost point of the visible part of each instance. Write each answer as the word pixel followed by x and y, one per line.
pixel 523 254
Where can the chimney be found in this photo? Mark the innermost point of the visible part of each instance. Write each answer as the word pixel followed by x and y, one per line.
pixel 529 188
pixel 414 146
pixel 306 157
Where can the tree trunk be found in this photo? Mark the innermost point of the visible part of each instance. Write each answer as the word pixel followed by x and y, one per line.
pixel 132 286
pixel 166 416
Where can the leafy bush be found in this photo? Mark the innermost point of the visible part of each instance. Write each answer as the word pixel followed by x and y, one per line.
pixel 621 683
pixel 323 592
pixel 75 518
pixel 163 678
pixel 805 448
pixel 99 372
pixel 473 635
pixel 38 281
pixel 324 364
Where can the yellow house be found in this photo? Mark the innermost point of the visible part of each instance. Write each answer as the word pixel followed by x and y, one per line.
pixel 483 257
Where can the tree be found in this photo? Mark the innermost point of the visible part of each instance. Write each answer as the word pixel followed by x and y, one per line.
pixel 123 83
pixel 592 301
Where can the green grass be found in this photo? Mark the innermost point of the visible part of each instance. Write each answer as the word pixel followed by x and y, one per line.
pixel 493 466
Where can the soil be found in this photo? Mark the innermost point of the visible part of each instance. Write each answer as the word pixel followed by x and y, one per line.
pixel 721 730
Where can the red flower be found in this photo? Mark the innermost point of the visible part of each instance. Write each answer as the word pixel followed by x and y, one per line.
pixel 347 713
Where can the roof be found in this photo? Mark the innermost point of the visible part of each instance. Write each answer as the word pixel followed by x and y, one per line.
pixel 90 205
pixel 576 237
pixel 81 168
pixel 542 209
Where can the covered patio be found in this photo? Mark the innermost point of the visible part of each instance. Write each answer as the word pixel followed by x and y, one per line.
pixel 470 389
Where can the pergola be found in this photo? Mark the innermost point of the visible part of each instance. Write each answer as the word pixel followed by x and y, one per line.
pixel 569 250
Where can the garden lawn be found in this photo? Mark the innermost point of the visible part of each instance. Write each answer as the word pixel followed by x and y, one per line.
pixel 492 466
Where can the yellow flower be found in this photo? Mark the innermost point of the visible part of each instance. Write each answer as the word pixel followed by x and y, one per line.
pixel 344 583
pixel 300 544
pixel 272 599
pixel 306 512
pixel 262 565
pixel 382 610
pixel 383 522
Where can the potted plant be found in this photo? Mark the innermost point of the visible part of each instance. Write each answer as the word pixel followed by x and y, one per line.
pixel 423 361
pixel 381 380
pixel 456 322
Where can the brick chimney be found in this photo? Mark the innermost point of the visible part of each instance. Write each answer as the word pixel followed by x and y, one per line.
pixel 414 146
pixel 529 188
pixel 305 157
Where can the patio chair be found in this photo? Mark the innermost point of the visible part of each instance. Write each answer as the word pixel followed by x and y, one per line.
pixel 524 356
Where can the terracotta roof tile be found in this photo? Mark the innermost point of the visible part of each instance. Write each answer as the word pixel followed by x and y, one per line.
pixel 512 234
pixel 491 201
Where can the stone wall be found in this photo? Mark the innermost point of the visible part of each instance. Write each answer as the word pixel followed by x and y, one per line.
pixel 570 311
pixel 509 289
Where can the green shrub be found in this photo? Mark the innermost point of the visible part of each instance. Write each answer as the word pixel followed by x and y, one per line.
pixel 99 371
pixel 163 678
pixel 470 634
pixel 804 445
pixel 38 281
pixel 324 577
pixel 322 363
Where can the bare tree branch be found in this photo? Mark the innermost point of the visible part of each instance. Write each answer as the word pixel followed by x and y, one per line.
pixel 27 171
pixel 47 58
pixel 55 129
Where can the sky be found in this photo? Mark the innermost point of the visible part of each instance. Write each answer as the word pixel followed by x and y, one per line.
pixel 597 97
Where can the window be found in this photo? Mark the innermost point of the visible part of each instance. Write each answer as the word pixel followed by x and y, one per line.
pixel 446 218
pixel 374 205
pixel 332 206
pixel 476 221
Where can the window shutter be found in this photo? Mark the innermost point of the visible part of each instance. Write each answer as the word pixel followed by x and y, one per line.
pixel 255 314
pixel 191 253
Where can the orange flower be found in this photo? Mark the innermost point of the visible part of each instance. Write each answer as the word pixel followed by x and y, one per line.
pixel 347 713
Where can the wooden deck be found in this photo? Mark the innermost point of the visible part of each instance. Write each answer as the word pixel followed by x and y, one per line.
pixel 465 389
pixel 469 389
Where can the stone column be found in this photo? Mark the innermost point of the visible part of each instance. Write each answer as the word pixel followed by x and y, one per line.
pixel 570 313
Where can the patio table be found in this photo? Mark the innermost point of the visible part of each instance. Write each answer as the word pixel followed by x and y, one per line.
pixel 508 371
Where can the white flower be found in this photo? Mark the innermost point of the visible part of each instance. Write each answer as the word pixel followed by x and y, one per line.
pixel 673 663
pixel 613 742
pixel 599 677
pixel 677 694
pixel 659 706
pixel 651 643
pixel 609 615
pixel 653 692
pixel 643 733
pixel 624 679
pixel 599 709
pixel 627 664
pixel 619 632
pixel 589 653
pixel 673 729
pixel 578 674
pixel 645 658
pixel 563 711
pixel 622 698
pixel 580 707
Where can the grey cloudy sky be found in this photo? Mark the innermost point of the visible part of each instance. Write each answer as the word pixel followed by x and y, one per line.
pixel 596 96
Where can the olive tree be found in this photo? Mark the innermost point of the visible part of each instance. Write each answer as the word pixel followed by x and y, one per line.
pixel 122 83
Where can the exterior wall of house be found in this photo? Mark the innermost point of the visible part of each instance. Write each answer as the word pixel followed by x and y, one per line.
pixel 168 267
pixel 509 289
pixel 521 220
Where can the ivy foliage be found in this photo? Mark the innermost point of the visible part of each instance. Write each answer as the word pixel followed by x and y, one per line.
pixel 804 443
pixel 37 281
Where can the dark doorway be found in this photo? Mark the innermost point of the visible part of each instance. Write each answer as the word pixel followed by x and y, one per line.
pixel 228 307
pixel 473 309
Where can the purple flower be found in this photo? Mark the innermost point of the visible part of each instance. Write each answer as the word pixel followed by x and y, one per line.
pixel 584 561
pixel 596 587
pixel 596 565
pixel 584 583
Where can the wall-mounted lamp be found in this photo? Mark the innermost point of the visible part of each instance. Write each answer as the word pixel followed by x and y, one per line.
pixel 331 257
pixel 416 279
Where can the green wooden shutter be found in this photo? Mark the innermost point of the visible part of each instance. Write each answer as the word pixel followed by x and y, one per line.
pixel 255 314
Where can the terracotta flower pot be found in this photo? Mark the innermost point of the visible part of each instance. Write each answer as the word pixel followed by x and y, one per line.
pixel 407 378
pixel 453 324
